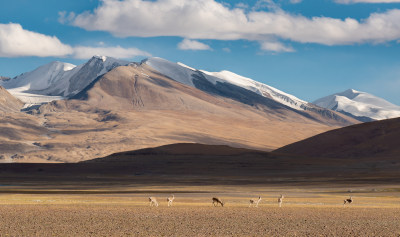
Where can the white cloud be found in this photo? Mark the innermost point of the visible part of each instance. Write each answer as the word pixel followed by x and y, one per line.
pixel 17 42
pixel 276 47
pixel 82 52
pixel 295 1
pixel 64 17
pixel 208 19
pixel 227 50
pixel 188 44
pixel 366 1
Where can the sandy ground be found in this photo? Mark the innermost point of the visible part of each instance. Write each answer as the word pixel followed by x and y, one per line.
pixel 316 212
pixel 131 220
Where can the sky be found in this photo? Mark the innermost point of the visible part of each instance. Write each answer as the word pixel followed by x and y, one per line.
pixel 308 48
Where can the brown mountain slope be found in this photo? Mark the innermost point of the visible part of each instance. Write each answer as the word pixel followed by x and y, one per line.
pixel 134 107
pixel 139 87
pixel 8 103
pixel 377 140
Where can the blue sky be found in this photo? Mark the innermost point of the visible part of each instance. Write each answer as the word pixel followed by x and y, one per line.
pixel 308 48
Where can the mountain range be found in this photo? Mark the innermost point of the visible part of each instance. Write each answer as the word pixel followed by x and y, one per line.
pixel 107 105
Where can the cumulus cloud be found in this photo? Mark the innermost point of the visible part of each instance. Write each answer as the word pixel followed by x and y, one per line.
pixel 16 42
pixel 366 1
pixel 275 46
pixel 188 44
pixel 208 19
pixel 82 52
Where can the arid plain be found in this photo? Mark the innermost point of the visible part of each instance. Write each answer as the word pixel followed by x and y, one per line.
pixel 306 211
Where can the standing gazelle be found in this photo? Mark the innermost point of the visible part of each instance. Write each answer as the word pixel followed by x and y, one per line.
pixel 153 201
pixel 348 200
pixel 280 200
pixel 216 201
pixel 255 202
pixel 170 200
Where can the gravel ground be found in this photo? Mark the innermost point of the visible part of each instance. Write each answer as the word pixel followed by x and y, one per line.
pixel 192 220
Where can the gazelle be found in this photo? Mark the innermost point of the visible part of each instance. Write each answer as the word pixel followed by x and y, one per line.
pixel 255 202
pixel 170 200
pixel 153 201
pixel 280 200
pixel 348 200
pixel 216 201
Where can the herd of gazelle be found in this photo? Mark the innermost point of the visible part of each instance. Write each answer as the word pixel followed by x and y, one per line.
pixel 217 201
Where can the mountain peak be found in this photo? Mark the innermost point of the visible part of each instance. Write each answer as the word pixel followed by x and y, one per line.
pixel 351 91
pixel 103 58
pixel 361 105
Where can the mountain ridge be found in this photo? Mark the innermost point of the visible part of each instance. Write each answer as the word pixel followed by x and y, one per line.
pixel 225 82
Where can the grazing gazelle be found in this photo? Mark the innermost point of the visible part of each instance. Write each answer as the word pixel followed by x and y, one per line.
pixel 348 200
pixel 170 200
pixel 280 200
pixel 216 201
pixel 255 202
pixel 153 201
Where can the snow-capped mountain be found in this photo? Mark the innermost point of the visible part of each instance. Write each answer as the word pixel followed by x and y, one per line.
pixel 360 105
pixel 58 80
pixel 190 76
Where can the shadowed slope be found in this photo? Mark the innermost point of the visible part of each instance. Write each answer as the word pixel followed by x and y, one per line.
pixel 196 164
pixel 379 139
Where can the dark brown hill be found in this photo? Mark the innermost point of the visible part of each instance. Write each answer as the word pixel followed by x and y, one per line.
pixel 378 140
pixel 195 164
